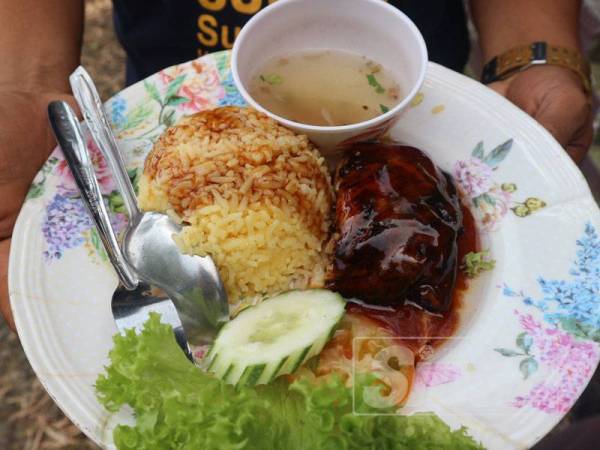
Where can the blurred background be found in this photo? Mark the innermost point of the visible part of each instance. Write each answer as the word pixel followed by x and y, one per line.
pixel 29 419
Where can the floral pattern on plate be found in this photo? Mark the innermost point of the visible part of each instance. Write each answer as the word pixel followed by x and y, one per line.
pixel 66 224
pixel 176 91
pixel 435 373
pixel 476 178
pixel 567 346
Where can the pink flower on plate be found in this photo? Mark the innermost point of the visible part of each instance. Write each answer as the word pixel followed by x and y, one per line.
pixel 202 89
pixel 101 167
pixel 434 374
pixel 562 352
pixel 528 323
pixel 552 396
pixel 168 75
pixel 474 176
pixel 568 364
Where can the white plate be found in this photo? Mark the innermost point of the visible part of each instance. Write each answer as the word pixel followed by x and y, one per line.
pixel 519 362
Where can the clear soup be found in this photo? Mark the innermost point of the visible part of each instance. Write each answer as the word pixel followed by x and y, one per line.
pixel 325 87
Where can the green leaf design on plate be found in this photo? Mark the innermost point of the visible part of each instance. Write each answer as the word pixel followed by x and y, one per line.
pixel 134 176
pixel 173 87
pixel 497 155
pixel 222 61
pixel 528 366
pixel 47 167
pixel 508 352
pixel 168 119
pixel 488 199
pixel 136 116
pixel 177 100
pixel 578 329
pixel 373 82
pixel 97 244
pixel 524 342
pixel 36 190
pixel 152 91
pixel 478 151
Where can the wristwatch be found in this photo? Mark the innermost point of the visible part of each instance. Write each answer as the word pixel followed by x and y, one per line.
pixel 538 53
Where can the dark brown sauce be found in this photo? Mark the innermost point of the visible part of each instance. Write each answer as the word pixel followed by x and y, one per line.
pixel 416 327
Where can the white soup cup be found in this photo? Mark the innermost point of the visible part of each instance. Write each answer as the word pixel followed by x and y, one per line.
pixel 371 28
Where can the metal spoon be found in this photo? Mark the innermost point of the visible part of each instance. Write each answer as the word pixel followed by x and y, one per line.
pixel 132 300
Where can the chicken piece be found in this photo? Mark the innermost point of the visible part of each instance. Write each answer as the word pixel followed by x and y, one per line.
pixel 398 218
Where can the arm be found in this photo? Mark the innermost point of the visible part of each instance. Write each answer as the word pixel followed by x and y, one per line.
pixel 40 44
pixel 503 24
pixel 552 95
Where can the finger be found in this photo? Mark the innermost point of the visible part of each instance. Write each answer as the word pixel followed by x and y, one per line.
pixel 561 119
pixel 582 141
pixel 4 298
pixel 554 97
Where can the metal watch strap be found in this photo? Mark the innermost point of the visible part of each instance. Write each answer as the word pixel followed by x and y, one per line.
pixel 538 53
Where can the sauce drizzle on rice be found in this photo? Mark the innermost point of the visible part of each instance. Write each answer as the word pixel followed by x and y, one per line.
pixel 257 198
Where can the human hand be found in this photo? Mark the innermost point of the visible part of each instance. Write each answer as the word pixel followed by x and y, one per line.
pixel 25 143
pixel 555 97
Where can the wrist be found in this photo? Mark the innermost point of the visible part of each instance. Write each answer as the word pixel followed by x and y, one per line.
pixel 501 46
pixel 37 78
pixel 538 54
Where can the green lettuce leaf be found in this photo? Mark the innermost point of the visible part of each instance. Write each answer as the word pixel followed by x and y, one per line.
pixel 178 406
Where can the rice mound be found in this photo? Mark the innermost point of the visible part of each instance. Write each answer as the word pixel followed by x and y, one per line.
pixel 255 196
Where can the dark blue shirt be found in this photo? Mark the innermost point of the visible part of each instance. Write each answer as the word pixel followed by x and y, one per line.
pixel 159 33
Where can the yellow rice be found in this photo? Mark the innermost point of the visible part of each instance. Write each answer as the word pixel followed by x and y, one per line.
pixel 255 196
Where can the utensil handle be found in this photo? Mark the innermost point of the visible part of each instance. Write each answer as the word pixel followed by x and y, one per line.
pixel 70 138
pixel 87 97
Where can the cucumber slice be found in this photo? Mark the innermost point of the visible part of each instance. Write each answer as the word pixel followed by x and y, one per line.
pixel 275 337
